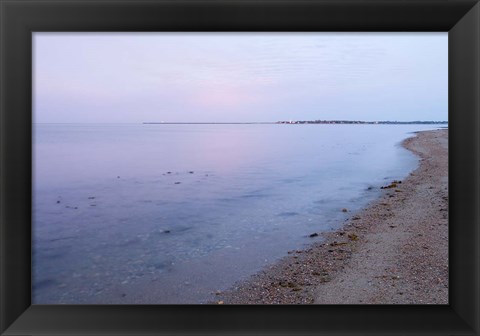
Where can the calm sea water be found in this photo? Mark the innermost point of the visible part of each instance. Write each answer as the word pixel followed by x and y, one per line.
pixel 132 213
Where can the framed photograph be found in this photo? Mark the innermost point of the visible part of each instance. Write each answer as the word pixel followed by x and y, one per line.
pixel 249 167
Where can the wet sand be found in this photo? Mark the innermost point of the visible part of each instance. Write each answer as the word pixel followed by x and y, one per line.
pixel 393 252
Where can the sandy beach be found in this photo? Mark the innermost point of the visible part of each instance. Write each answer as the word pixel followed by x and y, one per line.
pixel 393 252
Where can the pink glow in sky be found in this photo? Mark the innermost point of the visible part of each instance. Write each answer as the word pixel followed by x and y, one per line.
pixel 239 77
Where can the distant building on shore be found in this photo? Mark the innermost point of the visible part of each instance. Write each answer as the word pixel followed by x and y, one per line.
pixel 363 122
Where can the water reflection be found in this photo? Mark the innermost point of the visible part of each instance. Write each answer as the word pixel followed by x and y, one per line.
pixel 171 213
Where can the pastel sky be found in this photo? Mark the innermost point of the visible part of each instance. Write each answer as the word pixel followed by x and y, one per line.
pixel 239 77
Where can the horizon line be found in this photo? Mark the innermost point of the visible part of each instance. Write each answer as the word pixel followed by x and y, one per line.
pixel 256 122
pixel 299 122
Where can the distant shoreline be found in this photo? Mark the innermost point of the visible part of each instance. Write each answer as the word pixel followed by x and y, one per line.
pixel 324 122
pixel 315 122
pixel 206 123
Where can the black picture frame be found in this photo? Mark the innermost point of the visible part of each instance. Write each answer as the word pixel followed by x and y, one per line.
pixel 19 18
